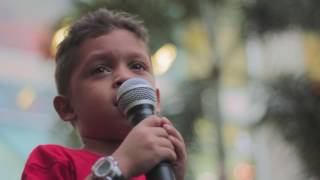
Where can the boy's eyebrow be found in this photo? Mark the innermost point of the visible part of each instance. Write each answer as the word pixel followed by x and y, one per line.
pixel 96 57
pixel 137 55
pixel 110 55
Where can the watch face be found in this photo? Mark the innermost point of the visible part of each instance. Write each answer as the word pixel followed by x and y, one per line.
pixel 103 168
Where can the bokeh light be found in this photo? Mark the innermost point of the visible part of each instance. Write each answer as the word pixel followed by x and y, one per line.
pixel 244 171
pixel 58 36
pixel 25 98
pixel 163 58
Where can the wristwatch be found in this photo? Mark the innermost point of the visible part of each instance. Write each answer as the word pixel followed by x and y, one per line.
pixel 107 168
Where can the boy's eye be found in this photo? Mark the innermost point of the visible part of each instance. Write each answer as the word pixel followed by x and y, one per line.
pixel 138 66
pixel 101 69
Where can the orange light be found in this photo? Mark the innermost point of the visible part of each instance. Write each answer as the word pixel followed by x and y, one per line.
pixel 244 171
pixel 58 36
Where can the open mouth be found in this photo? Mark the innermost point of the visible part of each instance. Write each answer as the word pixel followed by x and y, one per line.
pixel 115 102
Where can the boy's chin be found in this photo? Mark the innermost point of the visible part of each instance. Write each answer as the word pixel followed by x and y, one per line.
pixel 116 133
pixel 121 134
pixel 106 137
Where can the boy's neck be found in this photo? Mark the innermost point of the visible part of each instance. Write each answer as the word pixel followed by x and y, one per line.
pixel 99 146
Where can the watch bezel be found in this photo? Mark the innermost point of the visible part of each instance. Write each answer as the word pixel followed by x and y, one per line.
pixel 112 172
pixel 101 173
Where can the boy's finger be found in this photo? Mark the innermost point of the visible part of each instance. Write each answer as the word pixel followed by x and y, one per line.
pixel 168 154
pixel 166 121
pixel 152 121
pixel 165 142
pixel 179 148
pixel 173 131
pixel 159 131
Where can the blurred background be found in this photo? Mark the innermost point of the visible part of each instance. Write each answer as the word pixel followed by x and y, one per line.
pixel 239 78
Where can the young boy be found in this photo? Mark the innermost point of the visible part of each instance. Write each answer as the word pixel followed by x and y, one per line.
pixel 102 50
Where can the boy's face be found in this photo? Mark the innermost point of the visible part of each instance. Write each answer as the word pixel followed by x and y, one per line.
pixel 105 63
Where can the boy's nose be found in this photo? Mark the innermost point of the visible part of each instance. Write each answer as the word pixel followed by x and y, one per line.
pixel 121 76
pixel 118 83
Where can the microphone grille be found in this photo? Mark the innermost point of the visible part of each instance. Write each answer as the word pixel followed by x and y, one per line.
pixel 135 91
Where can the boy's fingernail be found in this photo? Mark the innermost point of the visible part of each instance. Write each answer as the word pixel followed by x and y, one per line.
pixel 168 126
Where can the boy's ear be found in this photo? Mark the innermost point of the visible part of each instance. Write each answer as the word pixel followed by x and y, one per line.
pixel 64 108
pixel 158 101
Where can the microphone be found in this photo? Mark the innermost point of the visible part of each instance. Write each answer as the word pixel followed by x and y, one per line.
pixel 137 100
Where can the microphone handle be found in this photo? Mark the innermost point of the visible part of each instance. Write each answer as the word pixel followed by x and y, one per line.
pixel 161 171
pixel 139 113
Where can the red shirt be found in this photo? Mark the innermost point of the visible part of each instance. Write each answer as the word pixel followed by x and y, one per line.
pixel 54 162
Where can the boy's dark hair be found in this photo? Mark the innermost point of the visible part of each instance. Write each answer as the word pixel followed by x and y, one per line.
pixel 94 24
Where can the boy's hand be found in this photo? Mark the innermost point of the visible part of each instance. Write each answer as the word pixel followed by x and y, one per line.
pixel 146 145
pixel 179 166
